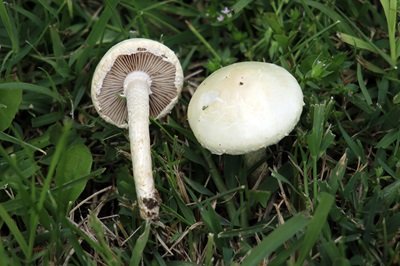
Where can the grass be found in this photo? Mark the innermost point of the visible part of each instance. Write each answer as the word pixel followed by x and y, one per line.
pixel 328 194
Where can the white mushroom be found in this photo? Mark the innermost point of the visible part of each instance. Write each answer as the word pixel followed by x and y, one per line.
pixel 244 107
pixel 135 79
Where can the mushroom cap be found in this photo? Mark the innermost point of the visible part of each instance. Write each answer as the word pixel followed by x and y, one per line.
pixel 137 54
pixel 244 107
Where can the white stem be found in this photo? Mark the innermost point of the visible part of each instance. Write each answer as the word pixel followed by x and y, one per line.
pixel 137 90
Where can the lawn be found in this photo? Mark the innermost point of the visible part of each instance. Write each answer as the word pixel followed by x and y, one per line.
pixel 327 194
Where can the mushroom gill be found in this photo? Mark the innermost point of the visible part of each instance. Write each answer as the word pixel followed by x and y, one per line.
pixel 161 72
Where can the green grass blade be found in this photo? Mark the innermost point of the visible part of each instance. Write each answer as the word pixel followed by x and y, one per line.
pixel 337 174
pixel 315 225
pixel 388 139
pixel 222 195
pixel 219 183
pixel 283 179
pixel 10 101
pixel 240 4
pixel 331 13
pixel 298 50
pixel 78 231
pixel 29 15
pixel 70 7
pixel 47 119
pixel 314 139
pixel 243 232
pixel 357 42
pixel 318 139
pixel 274 240
pixel 391 192
pixel 10 27
pixel 31 88
pixel 363 87
pixel 209 250
pixel 387 168
pixel 9 138
pixel 204 41
pixel 100 25
pixel 352 144
pixel 211 219
pixel 283 256
pixel 140 244
pixel 72 183
pixel 12 226
pixel 348 35
pixel 60 149
pixel 3 255
pixel 75 162
pixel 97 32
pixel 46 5
pixel 57 44
pixel 58 50
pixel 390 9
pixel 175 214
pixel 370 66
pixel 364 45
pixel 103 248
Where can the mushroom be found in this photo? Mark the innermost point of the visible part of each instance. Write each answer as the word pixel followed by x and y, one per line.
pixel 244 107
pixel 137 79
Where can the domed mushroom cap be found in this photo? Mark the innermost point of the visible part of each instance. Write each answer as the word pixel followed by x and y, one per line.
pixel 151 57
pixel 244 107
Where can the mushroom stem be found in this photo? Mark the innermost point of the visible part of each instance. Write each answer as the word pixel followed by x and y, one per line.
pixel 137 91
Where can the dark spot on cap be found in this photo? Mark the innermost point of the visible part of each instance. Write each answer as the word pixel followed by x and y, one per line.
pixel 204 107
pixel 141 49
pixel 241 83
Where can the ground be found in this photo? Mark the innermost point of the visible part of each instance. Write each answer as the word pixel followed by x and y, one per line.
pixel 327 194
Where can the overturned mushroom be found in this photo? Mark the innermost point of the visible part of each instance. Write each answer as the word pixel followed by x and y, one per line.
pixel 137 79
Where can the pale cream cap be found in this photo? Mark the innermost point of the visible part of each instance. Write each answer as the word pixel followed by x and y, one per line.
pixel 244 107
